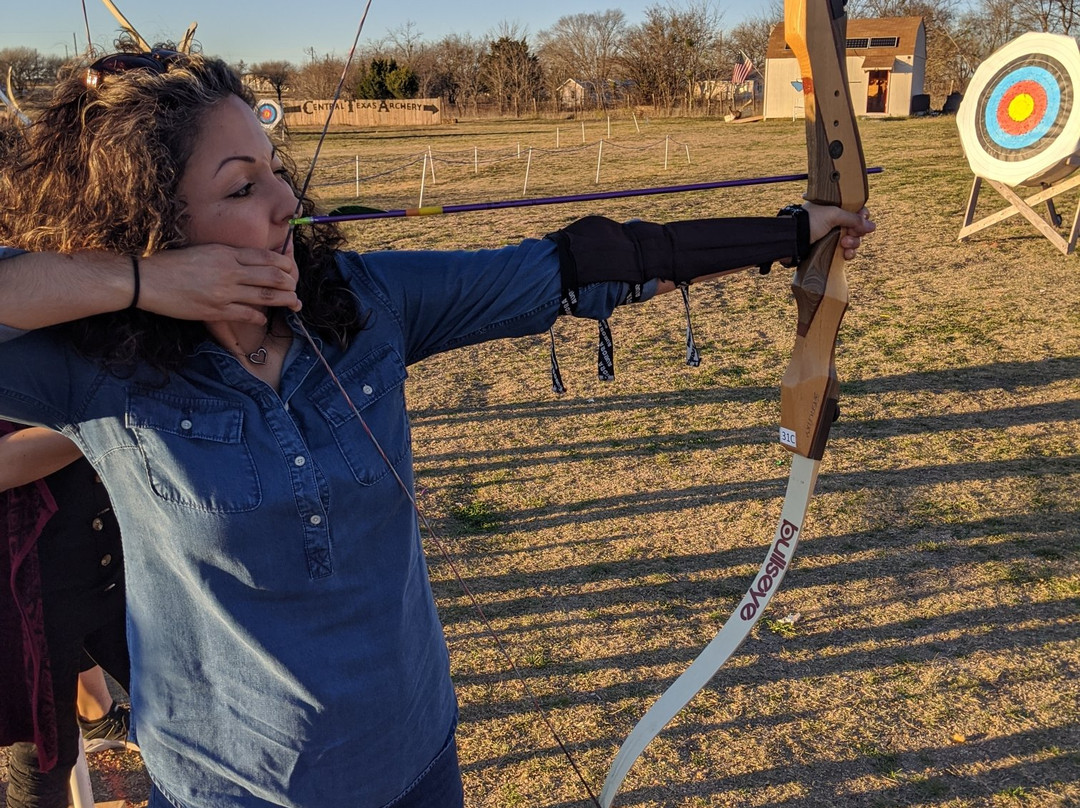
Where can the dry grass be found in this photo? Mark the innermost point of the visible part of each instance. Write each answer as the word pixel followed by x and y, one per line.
pixel 610 531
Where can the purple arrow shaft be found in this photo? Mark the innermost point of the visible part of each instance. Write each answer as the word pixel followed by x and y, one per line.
pixel 552 200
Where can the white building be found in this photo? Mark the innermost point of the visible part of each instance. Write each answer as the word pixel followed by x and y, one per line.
pixel 886 65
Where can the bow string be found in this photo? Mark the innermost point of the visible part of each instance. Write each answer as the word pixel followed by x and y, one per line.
pixel 443 550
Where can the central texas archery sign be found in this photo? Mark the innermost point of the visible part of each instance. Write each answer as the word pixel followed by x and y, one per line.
pixel 378 112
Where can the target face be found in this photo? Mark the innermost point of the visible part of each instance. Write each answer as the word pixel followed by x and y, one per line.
pixel 269 113
pixel 1017 122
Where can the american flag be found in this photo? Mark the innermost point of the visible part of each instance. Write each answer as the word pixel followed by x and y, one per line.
pixel 742 70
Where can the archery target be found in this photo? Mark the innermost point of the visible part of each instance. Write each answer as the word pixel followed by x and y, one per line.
pixel 1018 121
pixel 269 113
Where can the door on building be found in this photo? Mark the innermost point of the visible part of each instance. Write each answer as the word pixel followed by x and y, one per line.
pixel 877 89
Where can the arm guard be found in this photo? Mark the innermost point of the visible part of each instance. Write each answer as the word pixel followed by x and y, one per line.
pixel 597 249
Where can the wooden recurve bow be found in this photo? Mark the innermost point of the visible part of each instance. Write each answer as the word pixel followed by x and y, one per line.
pixel 816 31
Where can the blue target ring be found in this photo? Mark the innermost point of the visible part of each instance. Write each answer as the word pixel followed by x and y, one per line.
pixel 1047 112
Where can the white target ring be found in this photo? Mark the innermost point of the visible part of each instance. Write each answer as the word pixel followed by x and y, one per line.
pixel 1019 121
pixel 269 113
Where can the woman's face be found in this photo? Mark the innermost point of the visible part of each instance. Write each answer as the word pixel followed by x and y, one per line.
pixel 234 187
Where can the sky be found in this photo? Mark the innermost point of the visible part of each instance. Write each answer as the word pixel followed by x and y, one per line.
pixel 262 30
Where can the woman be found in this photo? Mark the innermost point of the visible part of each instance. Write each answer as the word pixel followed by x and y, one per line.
pixel 285 644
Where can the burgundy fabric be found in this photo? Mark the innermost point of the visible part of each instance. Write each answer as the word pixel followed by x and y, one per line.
pixel 27 712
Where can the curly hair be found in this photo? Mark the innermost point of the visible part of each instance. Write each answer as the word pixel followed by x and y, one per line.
pixel 99 170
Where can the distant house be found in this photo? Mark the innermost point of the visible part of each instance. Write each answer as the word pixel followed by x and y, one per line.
pixel 584 94
pixel 886 65
pixel 257 84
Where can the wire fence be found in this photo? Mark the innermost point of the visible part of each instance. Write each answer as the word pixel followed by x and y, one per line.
pixel 535 167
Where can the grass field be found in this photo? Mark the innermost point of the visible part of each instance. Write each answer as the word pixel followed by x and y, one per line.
pixel 931 647
pixel 935 643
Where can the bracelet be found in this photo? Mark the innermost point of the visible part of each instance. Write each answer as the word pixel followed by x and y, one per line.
pixel 135 271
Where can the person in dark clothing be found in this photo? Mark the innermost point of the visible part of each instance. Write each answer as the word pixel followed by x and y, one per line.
pixel 67 594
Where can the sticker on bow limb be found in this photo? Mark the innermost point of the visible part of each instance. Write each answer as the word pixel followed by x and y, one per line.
pixel 269 113
pixel 1018 121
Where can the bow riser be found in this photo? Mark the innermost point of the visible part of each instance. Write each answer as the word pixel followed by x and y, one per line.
pixel 809 390
pixel 832 139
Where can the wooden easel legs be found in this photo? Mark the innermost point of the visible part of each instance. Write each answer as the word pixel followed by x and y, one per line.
pixel 1025 208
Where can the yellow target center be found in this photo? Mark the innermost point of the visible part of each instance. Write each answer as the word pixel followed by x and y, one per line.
pixel 1021 107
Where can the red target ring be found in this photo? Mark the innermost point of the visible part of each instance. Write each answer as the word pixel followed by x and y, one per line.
pixel 1022 107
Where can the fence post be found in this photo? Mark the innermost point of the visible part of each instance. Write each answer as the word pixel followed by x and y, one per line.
pixel 599 154
pixel 358 176
pixel 667 138
pixel 423 178
pixel 528 165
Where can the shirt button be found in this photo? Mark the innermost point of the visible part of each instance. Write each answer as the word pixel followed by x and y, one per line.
pixel 316 520
pixel 368 390
pixel 299 460
pixel 97 524
pixel 185 424
pixel 106 560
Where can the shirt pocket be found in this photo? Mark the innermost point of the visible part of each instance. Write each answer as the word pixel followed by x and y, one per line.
pixel 194 451
pixel 376 386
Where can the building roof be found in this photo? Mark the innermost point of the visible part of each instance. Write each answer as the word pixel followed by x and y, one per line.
pixel 905 30
pixel 878 62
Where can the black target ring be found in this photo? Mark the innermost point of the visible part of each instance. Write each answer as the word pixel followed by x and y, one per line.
pixel 1024 108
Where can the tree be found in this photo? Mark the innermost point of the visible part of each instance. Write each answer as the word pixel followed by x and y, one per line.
pixel 406 45
pixel 277 74
pixel 982 30
pixel 585 47
pixel 28 67
pixel 1053 16
pixel 751 37
pixel 509 72
pixel 384 79
pixel 406 42
pixel 673 52
pixel 319 77
pixel 456 74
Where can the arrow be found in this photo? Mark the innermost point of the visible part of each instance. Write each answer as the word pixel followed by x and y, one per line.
pixel 435 210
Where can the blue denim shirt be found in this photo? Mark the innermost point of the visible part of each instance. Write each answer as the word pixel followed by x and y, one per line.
pixel 284 640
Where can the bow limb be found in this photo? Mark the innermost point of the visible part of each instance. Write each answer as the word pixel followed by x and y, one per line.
pixel 816 31
pixel 727 641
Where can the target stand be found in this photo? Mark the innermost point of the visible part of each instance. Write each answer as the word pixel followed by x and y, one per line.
pixel 1019 126
pixel 1025 208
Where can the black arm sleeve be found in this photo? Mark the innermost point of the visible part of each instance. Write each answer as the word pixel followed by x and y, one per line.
pixel 596 249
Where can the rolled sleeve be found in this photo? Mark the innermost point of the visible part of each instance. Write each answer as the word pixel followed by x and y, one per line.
pixel 8 333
